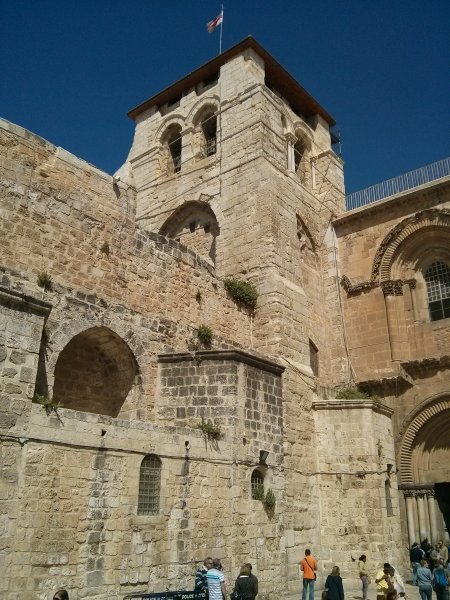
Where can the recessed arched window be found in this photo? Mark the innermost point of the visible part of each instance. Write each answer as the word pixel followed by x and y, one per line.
pixel 149 485
pixel 437 278
pixel 172 144
pixel 209 131
pixel 257 485
pixel 299 152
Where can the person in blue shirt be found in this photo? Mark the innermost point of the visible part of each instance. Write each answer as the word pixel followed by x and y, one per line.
pixel 424 580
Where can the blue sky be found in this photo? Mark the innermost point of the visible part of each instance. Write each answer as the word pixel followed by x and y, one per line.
pixel 70 70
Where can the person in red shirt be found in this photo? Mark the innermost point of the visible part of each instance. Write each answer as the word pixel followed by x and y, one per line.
pixel 309 567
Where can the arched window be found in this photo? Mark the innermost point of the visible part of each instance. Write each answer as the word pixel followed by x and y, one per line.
pixel 257 485
pixel 437 278
pixel 149 485
pixel 172 144
pixel 209 131
pixel 301 162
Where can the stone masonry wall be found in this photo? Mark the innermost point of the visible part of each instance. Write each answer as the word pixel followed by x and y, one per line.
pixel 382 326
pixel 70 479
pixel 355 447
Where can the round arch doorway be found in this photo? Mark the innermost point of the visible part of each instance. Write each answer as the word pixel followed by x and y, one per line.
pixel 425 469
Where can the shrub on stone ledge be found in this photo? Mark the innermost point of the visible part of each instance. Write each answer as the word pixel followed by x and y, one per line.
pixel 243 293
pixel 354 394
pixel 205 335
pixel 44 281
pixel 47 403
pixel 210 430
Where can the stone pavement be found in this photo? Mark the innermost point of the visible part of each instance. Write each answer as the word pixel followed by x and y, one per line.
pixel 354 592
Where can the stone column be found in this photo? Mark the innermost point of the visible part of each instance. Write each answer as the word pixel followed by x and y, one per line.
pixel 416 517
pixel 410 506
pixel 290 140
pixel 424 526
pixel 434 528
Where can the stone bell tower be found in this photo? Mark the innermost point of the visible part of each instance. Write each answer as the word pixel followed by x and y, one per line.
pixel 235 161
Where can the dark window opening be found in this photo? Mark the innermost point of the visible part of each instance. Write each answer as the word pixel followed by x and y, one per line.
pixel 387 490
pixel 174 101
pixel 299 152
pixel 437 278
pixel 149 486
pixel 209 129
pixel 257 485
pixel 211 80
pixel 174 145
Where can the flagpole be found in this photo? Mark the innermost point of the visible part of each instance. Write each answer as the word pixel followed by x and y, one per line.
pixel 221 24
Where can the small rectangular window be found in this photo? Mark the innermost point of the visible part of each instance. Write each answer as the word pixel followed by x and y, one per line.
pixel 314 358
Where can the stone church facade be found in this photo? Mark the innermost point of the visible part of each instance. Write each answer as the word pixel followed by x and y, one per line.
pixel 149 417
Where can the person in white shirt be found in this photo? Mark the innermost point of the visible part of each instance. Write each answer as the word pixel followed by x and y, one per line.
pixel 217 588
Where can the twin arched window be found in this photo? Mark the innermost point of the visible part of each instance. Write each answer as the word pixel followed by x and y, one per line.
pixel 149 485
pixel 437 278
pixel 206 127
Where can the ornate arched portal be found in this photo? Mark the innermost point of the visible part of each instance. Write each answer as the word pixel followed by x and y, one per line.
pixel 425 470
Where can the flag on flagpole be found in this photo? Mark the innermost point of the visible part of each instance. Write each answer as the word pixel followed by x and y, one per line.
pixel 211 25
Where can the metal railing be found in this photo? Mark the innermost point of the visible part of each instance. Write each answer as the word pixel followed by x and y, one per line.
pixel 396 185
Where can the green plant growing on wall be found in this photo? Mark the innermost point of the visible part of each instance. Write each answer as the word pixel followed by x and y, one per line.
pixel 47 403
pixel 269 501
pixel 243 293
pixel 205 335
pixel 44 281
pixel 258 492
pixel 352 393
pixel 210 430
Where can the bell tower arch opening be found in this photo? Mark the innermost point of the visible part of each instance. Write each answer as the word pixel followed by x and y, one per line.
pixel 194 224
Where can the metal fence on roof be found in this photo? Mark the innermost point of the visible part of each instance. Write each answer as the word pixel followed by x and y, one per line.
pixel 396 185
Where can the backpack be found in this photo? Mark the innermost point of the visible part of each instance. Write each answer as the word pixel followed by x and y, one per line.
pixel 440 577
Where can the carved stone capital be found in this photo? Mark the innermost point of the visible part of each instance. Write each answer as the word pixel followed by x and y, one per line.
pixel 290 137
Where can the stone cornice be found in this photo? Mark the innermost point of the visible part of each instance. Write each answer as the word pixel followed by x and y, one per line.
pixel 390 287
pixel 413 488
pixel 388 379
pixel 422 365
pixel 20 301
pixel 227 355
pixel 367 211
pixel 343 404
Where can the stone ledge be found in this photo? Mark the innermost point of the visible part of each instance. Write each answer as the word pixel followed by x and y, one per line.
pixel 22 302
pixel 231 355
pixel 422 365
pixel 344 404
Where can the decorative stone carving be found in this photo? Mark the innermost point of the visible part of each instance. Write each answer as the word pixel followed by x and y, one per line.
pixel 426 218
